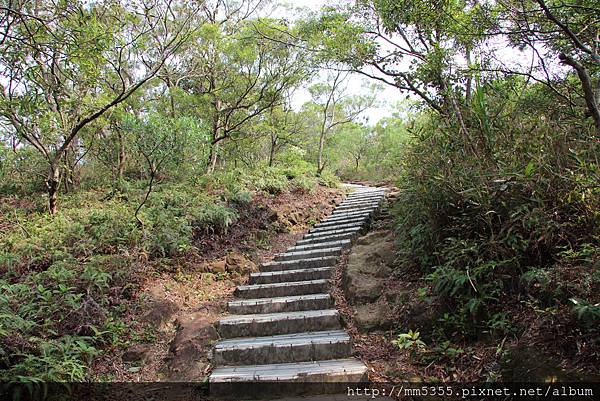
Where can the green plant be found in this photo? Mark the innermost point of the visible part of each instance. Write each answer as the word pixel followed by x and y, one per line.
pixel 410 340
pixel 586 312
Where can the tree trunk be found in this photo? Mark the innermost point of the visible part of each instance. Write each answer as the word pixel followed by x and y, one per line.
pixel 121 157
pixel 320 164
pixel 212 158
pixel 53 184
pixel 272 150
pixel 588 89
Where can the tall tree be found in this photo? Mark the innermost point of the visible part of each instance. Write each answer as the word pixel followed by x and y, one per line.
pixel 65 64
pixel 335 107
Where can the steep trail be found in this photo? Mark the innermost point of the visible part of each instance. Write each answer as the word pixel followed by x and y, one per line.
pixel 284 327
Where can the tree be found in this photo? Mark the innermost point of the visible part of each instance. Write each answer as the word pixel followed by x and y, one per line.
pixel 335 108
pixel 565 32
pixel 236 74
pixel 63 65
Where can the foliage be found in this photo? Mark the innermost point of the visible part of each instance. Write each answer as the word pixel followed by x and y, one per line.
pixel 410 340
pixel 481 228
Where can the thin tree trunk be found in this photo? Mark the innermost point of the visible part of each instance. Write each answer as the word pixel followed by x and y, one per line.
pixel 469 78
pixel 121 157
pixel 320 164
pixel 272 150
pixel 52 184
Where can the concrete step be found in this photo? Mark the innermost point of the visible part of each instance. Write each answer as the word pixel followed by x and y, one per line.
pixel 361 195
pixel 332 231
pixel 266 324
pixel 370 209
pixel 337 227
pixel 344 216
pixel 358 206
pixel 326 238
pixel 352 219
pixel 282 289
pixel 344 243
pixel 377 199
pixel 313 253
pixel 296 264
pixel 281 304
pixel 296 347
pixel 335 370
pixel 291 275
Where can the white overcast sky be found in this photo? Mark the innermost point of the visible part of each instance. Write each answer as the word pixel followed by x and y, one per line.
pixel 355 83
pixel 389 96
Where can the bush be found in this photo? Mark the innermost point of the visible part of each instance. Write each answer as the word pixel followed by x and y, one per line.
pixel 484 229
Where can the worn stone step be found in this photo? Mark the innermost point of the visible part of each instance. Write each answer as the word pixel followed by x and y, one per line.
pixel 371 209
pixel 281 304
pixel 345 216
pixel 349 220
pixel 313 253
pixel 317 239
pixel 307 263
pixel 283 348
pixel 370 198
pixel 332 231
pixel 344 243
pixel 267 380
pixel 361 200
pixel 358 206
pixel 282 289
pixel 266 324
pixel 291 275
pixel 365 194
pixel 338 227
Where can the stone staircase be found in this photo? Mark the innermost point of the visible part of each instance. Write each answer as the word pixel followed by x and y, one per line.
pixel 284 327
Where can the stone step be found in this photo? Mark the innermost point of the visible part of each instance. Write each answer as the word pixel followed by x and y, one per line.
pixel 345 216
pixel 281 304
pixel 344 243
pixel 326 238
pixel 266 324
pixel 370 209
pixel 296 264
pixel 282 289
pixel 370 194
pixel 351 219
pixel 377 199
pixel 332 231
pixel 291 275
pixel 358 206
pixel 296 347
pixel 227 379
pixel 372 198
pixel 338 227
pixel 313 253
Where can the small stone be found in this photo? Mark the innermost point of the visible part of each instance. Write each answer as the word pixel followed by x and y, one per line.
pixel 137 353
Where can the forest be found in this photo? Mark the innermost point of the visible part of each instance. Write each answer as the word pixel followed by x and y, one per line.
pixel 139 139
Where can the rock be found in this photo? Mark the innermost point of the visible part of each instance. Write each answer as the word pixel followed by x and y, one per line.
pixel 360 288
pixel 187 358
pixel 368 265
pixel 137 353
pixel 372 316
pixel 294 218
pixel 160 311
pixel 238 263
pixel 218 266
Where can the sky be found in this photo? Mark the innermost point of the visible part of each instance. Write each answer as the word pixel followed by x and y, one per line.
pixel 387 97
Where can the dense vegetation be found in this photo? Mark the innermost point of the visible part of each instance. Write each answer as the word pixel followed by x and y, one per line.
pixel 129 130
